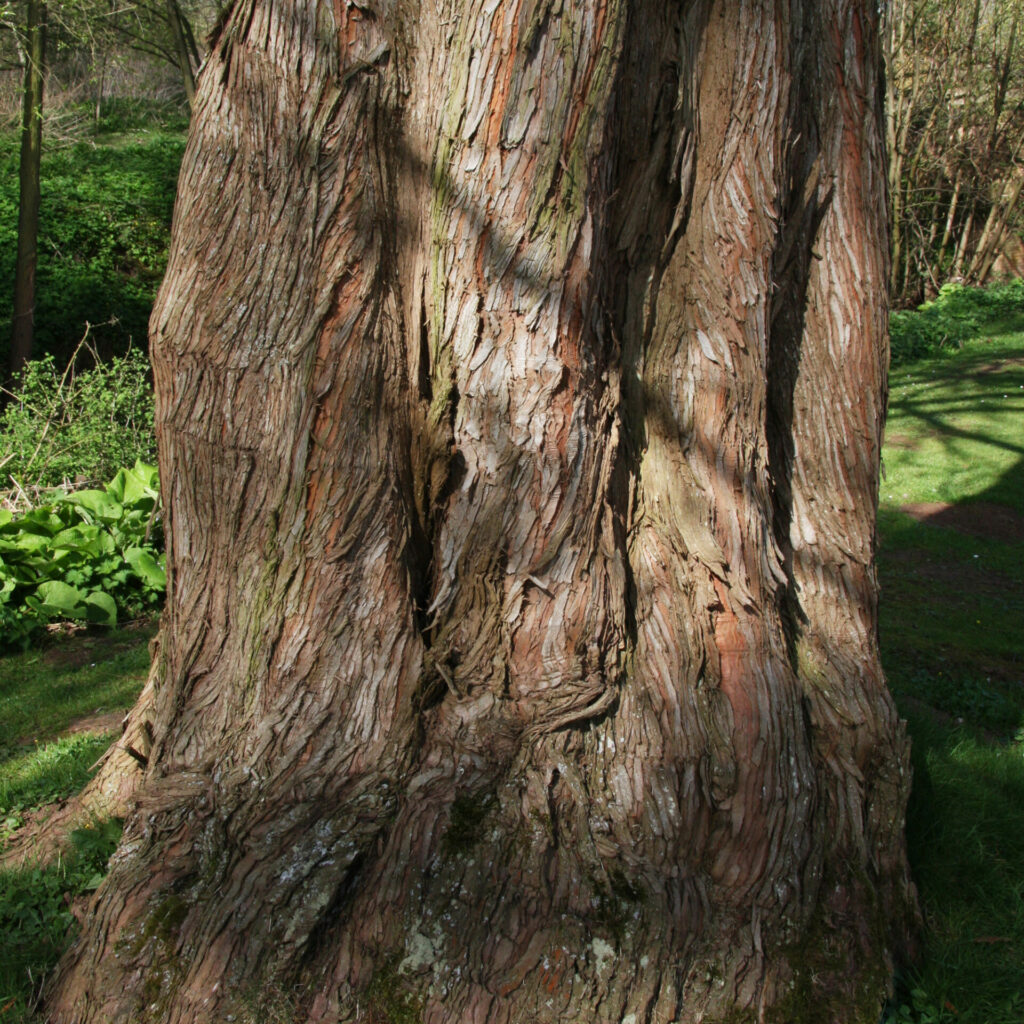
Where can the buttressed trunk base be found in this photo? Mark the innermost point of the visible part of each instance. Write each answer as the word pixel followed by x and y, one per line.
pixel 520 371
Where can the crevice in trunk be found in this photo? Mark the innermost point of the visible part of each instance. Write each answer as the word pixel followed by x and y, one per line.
pixel 802 209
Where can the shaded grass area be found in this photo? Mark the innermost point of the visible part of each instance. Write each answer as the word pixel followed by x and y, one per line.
pixel 952 628
pixel 42 694
pixel 36 915
pixel 43 691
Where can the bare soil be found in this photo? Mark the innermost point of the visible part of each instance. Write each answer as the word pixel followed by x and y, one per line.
pixel 901 440
pixel 73 646
pixel 977 519
pixel 107 721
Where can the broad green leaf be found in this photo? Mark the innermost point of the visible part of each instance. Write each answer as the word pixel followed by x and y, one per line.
pixel 146 567
pixel 26 542
pixel 100 607
pixel 58 597
pixel 116 486
pixel 139 484
pixel 76 536
pixel 86 538
pixel 96 503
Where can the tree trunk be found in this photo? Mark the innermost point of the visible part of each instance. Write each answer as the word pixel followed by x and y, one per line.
pixel 520 373
pixel 181 48
pixel 28 186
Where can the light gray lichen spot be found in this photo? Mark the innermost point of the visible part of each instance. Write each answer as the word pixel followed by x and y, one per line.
pixel 420 954
pixel 603 953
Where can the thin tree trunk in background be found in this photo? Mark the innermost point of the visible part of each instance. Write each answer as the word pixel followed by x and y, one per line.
pixel 995 229
pixel 28 182
pixel 100 85
pixel 190 39
pixel 964 244
pixel 947 232
pixel 520 372
pixel 181 48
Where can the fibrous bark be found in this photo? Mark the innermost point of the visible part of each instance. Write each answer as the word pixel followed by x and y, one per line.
pixel 520 372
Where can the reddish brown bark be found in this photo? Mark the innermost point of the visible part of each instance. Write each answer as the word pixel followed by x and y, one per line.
pixel 520 373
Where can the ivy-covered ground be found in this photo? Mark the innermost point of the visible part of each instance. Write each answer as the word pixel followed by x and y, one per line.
pixel 104 225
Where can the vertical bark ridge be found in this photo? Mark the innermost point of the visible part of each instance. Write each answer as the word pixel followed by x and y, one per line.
pixel 837 370
pixel 289 678
pixel 527 622
pixel 704 500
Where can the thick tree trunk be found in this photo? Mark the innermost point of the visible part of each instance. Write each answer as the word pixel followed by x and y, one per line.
pixel 22 325
pixel 520 373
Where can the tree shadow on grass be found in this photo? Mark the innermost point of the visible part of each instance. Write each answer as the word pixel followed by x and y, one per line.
pixel 952 631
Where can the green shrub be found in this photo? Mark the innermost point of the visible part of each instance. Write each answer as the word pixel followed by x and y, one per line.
pixel 59 428
pixel 954 316
pixel 104 229
pixel 91 556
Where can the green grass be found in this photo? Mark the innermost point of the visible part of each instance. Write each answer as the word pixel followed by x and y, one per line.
pixel 44 692
pixel 952 630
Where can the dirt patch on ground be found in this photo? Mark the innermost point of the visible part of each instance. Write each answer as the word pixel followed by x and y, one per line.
pixel 73 646
pixel 108 721
pixel 977 519
pixel 901 441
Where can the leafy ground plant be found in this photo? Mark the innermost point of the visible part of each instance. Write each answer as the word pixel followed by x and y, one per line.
pixel 91 555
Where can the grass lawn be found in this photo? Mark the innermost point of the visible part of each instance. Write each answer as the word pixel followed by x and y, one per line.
pixel 951 564
pixel 59 709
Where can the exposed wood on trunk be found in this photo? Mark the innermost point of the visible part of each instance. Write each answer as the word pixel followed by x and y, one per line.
pixel 521 453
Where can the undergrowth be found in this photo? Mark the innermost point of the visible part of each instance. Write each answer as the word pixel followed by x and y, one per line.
pixel 77 425
pixel 42 693
pixel 37 913
pixel 105 215
pixel 957 314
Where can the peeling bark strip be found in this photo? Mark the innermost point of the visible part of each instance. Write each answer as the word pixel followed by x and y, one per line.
pixel 520 371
